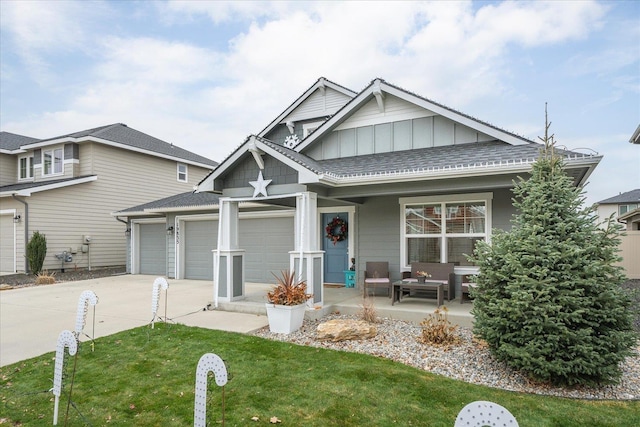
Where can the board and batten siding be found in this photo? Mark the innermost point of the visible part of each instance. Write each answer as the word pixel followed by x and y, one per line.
pixel 67 214
pixel 402 126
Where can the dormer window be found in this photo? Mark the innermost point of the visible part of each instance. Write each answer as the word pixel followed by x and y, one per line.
pixel 182 172
pixel 25 167
pixel 52 161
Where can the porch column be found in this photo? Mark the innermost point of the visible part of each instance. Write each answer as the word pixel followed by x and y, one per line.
pixel 307 260
pixel 228 259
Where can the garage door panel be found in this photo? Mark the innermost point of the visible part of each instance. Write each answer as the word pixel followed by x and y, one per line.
pixel 267 243
pixel 201 237
pixel 7 244
pixel 153 242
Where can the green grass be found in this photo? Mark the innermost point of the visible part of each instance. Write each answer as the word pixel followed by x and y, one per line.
pixel 146 377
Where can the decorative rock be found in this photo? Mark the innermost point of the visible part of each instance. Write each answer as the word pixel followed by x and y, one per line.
pixel 345 329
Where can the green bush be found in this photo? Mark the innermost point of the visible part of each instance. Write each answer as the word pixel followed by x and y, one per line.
pixel 549 300
pixel 36 251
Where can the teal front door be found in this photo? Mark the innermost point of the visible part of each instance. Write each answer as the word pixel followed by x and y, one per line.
pixel 336 254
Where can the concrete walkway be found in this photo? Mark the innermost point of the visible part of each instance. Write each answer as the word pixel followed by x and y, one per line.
pixel 32 318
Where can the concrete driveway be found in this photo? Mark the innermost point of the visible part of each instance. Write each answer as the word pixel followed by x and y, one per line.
pixel 32 318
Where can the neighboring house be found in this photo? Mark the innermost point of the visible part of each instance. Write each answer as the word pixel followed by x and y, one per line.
pixel 414 181
pixel 619 205
pixel 66 187
pixel 635 138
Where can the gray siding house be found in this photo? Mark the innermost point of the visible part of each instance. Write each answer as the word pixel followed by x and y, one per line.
pixel 66 188
pixel 413 180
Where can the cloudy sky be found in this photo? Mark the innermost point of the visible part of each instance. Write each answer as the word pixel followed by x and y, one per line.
pixel 206 74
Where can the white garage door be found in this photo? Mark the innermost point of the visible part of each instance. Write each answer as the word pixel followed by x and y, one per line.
pixel 267 242
pixel 153 247
pixel 200 238
pixel 7 244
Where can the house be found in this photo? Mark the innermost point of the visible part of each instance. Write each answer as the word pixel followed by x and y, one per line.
pixel 635 137
pixel 620 207
pixel 411 179
pixel 66 188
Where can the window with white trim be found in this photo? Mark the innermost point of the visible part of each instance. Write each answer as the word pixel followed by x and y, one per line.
pixel 52 161
pixel 444 229
pixel 182 172
pixel 25 167
pixel 623 209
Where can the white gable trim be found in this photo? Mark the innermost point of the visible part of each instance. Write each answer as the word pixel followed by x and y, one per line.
pixel 378 85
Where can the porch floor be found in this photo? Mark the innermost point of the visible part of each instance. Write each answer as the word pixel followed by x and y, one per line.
pixel 349 301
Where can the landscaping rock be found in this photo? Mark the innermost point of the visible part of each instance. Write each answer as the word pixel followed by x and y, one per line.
pixel 345 329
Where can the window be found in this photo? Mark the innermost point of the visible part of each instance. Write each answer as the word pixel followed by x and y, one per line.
pixel 182 172
pixel 25 167
pixel 623 209
pixel 52 161
pixel 444 229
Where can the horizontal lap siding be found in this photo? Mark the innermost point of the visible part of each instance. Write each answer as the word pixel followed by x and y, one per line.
pixel 8 169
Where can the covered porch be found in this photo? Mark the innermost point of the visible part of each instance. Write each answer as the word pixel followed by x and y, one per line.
pixel 349 301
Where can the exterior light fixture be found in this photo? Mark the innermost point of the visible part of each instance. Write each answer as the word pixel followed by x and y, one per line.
pixel 17 218
pixel 127 232
pixel 170 230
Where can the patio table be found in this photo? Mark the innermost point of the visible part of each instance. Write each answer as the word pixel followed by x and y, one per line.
pixel 411 285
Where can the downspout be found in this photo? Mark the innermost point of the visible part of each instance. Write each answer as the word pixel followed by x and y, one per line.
pixel 26 231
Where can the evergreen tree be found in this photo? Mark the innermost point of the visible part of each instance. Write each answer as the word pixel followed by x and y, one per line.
pixel 36 252
pixel 549 301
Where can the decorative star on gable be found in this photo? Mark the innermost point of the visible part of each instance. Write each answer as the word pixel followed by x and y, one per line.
pixel 260 185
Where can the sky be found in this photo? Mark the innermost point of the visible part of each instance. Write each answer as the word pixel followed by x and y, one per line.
pixel 204 75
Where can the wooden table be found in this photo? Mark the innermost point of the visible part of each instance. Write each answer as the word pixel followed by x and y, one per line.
pixel 404 285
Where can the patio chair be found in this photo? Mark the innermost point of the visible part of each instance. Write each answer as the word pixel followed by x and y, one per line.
pixel 376 275
pixel 467 283
pixel 482 413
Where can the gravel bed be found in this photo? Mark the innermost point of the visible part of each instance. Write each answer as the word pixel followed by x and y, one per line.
pixel 468 361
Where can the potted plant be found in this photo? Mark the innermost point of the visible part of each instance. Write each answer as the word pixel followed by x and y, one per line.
pixel 422 276
pixel 286 303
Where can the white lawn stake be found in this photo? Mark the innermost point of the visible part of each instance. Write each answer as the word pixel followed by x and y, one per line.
pixel 209 362
pixel 65 339
pixel 155 298
pixel 86 298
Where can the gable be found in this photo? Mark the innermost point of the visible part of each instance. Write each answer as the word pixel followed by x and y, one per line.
pixel 401 126
pixel 320 103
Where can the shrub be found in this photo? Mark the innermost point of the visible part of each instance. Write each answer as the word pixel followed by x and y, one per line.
pixel 437 330
pixel 549 300
pixel 36 251
pixel 45 278
pixel 368 312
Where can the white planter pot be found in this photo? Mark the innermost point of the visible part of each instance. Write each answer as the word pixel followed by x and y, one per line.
pixel 284 319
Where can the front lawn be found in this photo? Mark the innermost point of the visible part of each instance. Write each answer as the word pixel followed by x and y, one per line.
pixel 146 377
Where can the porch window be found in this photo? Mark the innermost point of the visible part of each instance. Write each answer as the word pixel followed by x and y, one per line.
pixel 440 230
pixel 52 161
pixel 25 167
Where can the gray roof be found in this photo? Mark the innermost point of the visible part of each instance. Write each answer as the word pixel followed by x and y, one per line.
pixel 419 159
pixel 122 134
pixel 28 185
pixel 632 196
pixel 182 200
pixel 12 141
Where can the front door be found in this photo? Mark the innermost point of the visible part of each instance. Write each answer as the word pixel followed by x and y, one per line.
pixel 335 253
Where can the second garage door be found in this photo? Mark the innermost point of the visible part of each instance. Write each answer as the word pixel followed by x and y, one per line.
pixel 200 238
pixel 153 249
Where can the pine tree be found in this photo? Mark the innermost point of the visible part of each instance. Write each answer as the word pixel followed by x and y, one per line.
pixel 549 301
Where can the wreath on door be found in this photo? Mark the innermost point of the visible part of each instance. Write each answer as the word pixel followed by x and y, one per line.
pixel 336 230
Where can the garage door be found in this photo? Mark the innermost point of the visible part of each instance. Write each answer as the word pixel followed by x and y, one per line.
pixel 267 242
pixel 153 246
pixel 200 238
pixel 7 244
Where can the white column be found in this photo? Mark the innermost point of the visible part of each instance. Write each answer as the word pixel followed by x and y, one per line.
pixel 307 260
pixel 228 261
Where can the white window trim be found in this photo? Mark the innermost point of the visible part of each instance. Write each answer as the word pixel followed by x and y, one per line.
pixel 307 128
pixel 30 168
pixel 186 172
pixel 52 150
pixel 487 198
